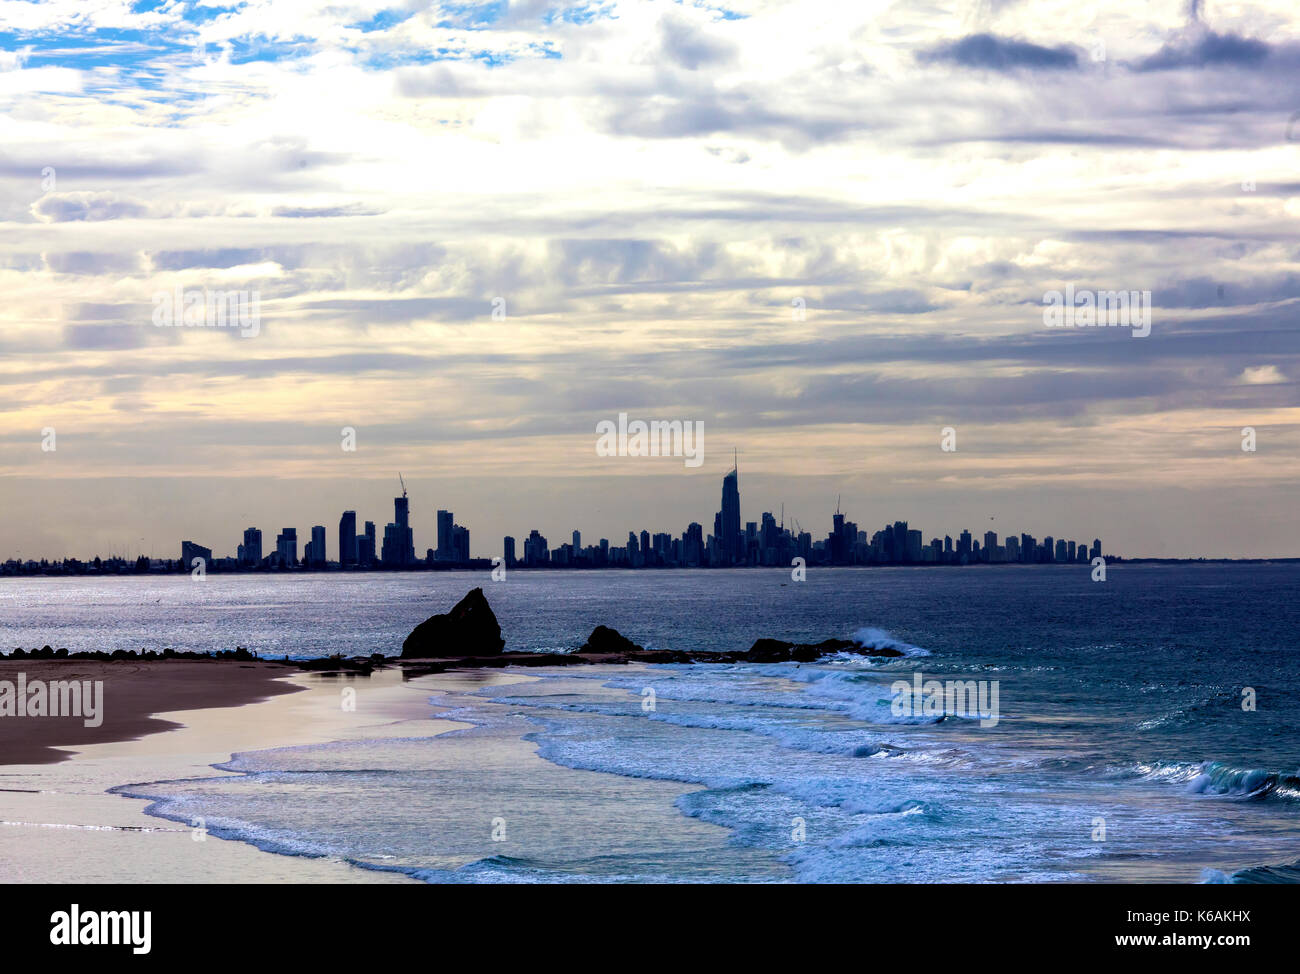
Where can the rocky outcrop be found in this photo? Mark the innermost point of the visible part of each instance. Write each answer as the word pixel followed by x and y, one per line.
pixel 606 640
pixel 469 629
pixel 779 651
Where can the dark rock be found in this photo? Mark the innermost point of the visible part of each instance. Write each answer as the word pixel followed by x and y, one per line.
pixel 606 640
pixel 780 651
pixel 769 651
pixel 469 629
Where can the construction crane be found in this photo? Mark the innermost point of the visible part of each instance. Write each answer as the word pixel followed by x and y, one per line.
pixel 403 483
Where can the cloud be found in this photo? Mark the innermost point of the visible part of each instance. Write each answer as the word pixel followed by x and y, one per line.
pixel 87 263
pixel 1207 49
pixel 920 189
pixel 993 53
pixel 87 206
pixel 99 337
pixel 1262 375
pixel 319 212
pixel 691 46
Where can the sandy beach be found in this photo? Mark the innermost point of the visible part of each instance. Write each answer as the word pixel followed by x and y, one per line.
pixel 135 694
pixel 58 823
pixel 61 819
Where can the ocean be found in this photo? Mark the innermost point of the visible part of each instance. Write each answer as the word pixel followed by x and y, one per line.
pixel 1146 726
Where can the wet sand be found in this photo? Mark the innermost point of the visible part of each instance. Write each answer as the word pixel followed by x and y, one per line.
pixel 58 823
pixel 133 695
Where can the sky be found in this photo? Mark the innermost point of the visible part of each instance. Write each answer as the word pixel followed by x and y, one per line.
pixel 475 231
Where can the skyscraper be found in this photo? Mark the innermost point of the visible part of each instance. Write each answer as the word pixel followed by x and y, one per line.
pixel 286 547
pixel 348 539
pixel 191 552
pixel 252 547
pixel 366 546
pixel 317 545
pixel 731 536
pixel 399 544
pixel 446 530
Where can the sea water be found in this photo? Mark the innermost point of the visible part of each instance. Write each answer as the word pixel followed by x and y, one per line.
pixel 1147 727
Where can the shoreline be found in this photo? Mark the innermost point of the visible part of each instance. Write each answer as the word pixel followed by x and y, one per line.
pixel 75 819
pixel 61 820
pixel 135 694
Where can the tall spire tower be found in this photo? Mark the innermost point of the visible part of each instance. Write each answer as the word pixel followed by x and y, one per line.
pixel 732 540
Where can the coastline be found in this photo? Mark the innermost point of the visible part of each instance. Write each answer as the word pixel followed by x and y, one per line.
pixel 135 694
pixel 72 817
pixel 59 821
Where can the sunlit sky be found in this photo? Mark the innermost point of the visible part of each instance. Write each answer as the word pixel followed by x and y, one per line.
pixel 652 190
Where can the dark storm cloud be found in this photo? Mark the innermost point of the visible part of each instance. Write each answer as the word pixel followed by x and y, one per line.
pixel 994 53
pixel 1209 50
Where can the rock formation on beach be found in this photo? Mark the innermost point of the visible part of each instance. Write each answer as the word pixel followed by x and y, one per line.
pixel 606 640
pixel 469 636
pixel 469 629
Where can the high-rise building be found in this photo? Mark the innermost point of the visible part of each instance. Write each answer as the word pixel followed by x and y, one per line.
pixel 366 546
pixel 914 539
pixel 900 541
pixel 509 548
pixel 693 551
pixel 348 539
pixel 535 550
pixel 191 551
pixel 398 549
pixel 446 545
pixel 459 544
pixel 286 548
pixel 731 537
pixel 317 545
pixel 252 547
